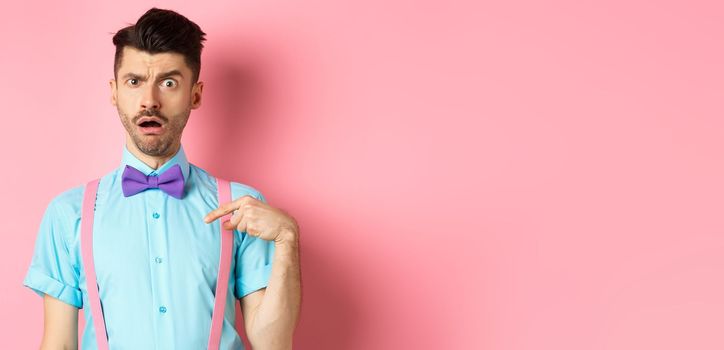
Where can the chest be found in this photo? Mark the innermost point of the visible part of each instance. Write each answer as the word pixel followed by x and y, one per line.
pixel 153 239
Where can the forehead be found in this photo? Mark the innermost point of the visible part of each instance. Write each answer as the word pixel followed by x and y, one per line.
pixel 142 62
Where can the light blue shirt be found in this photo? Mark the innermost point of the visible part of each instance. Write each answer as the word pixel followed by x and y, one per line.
pixel 156 260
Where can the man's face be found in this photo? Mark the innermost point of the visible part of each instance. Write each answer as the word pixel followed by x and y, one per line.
pixel 154 96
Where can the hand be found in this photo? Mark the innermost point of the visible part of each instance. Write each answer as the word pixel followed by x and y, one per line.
pixel 257 219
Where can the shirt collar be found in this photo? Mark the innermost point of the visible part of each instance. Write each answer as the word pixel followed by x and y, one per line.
pixel 179 158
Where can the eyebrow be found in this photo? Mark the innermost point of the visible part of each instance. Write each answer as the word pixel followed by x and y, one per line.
pixel 161 76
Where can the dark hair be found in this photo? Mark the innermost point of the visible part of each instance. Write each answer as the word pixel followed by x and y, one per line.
pixel 162 31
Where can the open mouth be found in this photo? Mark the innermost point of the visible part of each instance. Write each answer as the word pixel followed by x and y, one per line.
pixel 149 123
pixel 150 126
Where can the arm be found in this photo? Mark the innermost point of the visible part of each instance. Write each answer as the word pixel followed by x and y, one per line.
pixel 60 325
pixel 271 314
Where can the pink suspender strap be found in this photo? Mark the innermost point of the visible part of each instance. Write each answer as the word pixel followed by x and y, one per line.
pixel 86 242
pixel 222 279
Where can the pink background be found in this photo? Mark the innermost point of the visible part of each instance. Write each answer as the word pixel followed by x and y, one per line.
pixel 468 175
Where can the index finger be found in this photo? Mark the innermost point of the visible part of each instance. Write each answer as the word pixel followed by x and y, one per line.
pixel 220 211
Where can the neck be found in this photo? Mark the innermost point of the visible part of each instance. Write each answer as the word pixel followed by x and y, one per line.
pixel 154 162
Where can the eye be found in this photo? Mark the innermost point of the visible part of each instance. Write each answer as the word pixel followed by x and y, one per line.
pixel 169 83
pixel 132 82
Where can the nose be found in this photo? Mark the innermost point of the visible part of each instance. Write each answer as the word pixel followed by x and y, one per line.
pixel 149 99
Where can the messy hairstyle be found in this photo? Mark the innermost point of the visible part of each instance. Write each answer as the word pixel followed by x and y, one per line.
pixel 160 31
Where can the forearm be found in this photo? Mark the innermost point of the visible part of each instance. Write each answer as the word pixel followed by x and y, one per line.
pixel 49 342
pixel 276 317
pixel 60 325
pixel 49 346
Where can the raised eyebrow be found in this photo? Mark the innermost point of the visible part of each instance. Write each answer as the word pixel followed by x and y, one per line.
pixel 169 74
pixel 161 76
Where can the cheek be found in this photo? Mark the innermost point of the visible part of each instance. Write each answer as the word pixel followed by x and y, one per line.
pixel 176 109
pixel 126 100
pixel 176 102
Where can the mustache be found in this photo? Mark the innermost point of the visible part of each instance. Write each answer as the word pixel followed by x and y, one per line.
pixel 153 112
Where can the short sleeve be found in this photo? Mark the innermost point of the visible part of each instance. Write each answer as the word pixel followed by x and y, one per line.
pixel 253 261
pixel 51 269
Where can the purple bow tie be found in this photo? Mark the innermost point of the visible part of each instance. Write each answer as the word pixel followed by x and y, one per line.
pixel 171 181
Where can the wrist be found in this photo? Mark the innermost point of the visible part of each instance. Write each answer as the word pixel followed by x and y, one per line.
pixel 288 236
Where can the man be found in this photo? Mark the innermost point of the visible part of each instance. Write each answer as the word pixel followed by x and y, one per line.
pixel 156 253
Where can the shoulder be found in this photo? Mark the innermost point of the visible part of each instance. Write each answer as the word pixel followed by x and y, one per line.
pixel 238 189
pixel 62 215
pixel 67 203
pixel 70 201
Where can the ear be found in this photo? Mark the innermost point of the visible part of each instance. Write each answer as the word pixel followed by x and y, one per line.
pixel 196 92
pixel 114 92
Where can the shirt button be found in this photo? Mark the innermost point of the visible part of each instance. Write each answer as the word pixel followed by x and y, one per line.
pixel 158 260
pixel 156 215
pixel 162 309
